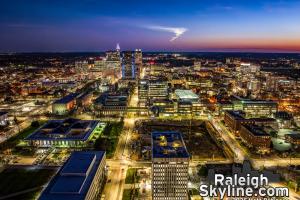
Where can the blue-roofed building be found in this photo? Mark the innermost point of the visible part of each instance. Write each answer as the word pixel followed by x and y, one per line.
pixel 66 133
pixel 64 105
pixel 170 162
pixel 80 178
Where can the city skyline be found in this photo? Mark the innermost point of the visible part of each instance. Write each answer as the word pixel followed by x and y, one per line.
pixel 196 26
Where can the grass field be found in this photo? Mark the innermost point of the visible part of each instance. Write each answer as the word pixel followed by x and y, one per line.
pixel 13 141
pixel 17 180
pixel 109 139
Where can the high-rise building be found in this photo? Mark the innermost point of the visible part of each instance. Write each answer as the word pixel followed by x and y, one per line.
pixel 143 87
pixel 138 57
pixel 113 60
pixel 99 65
pixel 170 162
pixel 128 65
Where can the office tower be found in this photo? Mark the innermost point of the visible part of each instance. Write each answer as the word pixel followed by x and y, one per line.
pixel 138 57
pixel 158 89
pixel 143 92
pixel 112 56
pixel 128 65
pixel 113 60
pixel 170 162
pixel 99 65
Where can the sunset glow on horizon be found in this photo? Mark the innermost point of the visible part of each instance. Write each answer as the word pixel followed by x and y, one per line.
pixel 258 25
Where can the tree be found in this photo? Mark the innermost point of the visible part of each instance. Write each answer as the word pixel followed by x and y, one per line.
pixel 35 124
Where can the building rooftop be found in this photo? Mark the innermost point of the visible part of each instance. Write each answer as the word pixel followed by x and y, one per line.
pixel 66 99
pixel 74 179
pixel 225 102
pixel 295 136
pixel 256 130
pixel 186 95
pixel 67 129
pixel 168 145
pixel 237 114
pixel 283 115
pixel 263 119
pixel 250 101
pixel 112 100
pixel 3 113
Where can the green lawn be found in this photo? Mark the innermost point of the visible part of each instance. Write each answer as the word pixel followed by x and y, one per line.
pixel 16 180
pixel 113 129
pixel 13 141
pixel 109 139
pixel 131 176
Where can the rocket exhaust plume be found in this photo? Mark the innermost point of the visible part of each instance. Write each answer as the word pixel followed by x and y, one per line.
pixel 178 31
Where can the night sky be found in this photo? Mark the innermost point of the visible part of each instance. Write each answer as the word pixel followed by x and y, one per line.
pixel 161 25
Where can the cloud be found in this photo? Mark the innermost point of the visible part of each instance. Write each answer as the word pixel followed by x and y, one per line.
pixel 178 31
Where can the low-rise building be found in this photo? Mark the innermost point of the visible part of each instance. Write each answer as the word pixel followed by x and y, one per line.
pixel 80 178
pixel 254 136
pixel 222 106
pixel 64 105
pixel 111 105
pixel 188 103
pixel 162 107
pixel 293 138
pixel 235 119
pixel 84 99
pixel 284 119
pixel 66 133
pixel 255 108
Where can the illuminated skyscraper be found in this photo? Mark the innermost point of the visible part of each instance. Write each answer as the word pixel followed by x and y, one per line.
pixel 128 65
pixel 138 56
pixel 170 162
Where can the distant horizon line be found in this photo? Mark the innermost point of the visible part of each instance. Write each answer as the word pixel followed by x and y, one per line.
pixel 156 51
